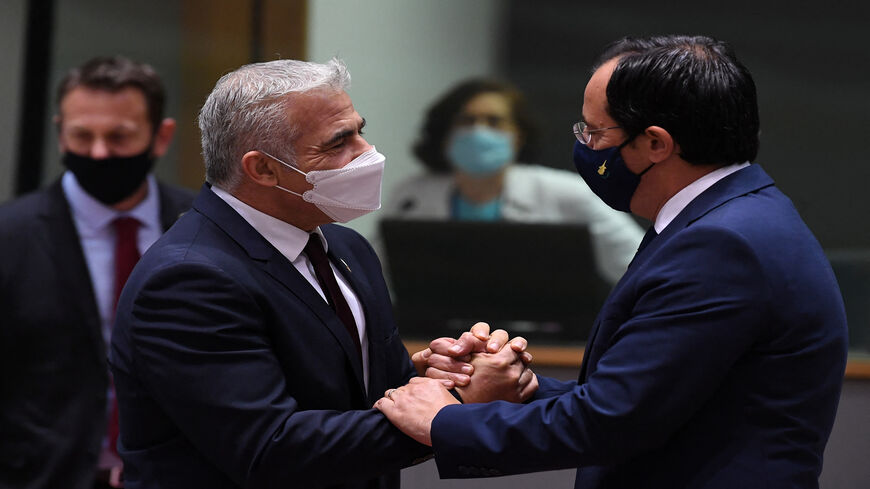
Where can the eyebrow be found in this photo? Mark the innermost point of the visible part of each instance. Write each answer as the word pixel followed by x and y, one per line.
pixel 344 134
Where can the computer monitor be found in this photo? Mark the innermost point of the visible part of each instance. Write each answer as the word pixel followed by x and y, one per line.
pixel 537 280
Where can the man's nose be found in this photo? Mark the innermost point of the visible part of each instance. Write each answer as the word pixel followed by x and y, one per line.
pixel 99 149
pixel 361 146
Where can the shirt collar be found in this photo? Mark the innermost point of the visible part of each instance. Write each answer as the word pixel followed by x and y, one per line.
pixel 681 199
pixel 286 238
pixel 94 215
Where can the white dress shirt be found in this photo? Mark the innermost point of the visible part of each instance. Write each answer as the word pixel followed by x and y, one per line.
pixel 93 222
pixel 681 199
pixel 290 241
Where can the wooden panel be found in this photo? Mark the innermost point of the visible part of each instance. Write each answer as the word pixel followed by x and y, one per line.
pixel 217 37
pixel 285 30
pixel 571 356
pixel 549 356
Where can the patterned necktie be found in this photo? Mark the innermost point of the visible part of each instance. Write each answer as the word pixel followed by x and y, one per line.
pixel 326 278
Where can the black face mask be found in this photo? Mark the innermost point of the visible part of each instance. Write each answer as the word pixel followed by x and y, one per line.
pixel 110 180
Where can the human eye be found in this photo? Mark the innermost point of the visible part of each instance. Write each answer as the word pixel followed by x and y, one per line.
pixel 117 138
pixel 496 121
pixel 81 136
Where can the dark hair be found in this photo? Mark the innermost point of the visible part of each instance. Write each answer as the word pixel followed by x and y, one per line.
pixel 429 148
pixel 630 45
pixel 696 89
pixel 113 74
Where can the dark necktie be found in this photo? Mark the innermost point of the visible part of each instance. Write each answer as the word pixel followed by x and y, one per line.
pixel 649 236
pixel 126 256
pixel 315 252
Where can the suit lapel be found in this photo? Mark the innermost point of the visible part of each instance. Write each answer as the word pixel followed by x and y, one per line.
pixel 272 262
pixel 739 183
pixel 171 207
pixel 351 270
pixel 58 235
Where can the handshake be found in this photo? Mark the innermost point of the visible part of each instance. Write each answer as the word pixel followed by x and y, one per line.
pixel 479 366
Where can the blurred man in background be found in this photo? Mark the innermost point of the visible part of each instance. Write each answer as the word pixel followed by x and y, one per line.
pixel 66 251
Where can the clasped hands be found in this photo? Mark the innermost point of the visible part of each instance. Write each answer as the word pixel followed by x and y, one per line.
pixel 482 367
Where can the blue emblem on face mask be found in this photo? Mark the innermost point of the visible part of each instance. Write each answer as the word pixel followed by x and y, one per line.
pixel 480 150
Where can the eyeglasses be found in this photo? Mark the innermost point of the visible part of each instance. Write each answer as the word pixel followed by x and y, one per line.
pixel 584 134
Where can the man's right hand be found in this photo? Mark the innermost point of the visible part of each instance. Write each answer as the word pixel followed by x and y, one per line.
pixel 449 359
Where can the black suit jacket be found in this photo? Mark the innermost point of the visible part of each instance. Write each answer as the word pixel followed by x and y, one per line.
pixel 53 371
pixel 231 371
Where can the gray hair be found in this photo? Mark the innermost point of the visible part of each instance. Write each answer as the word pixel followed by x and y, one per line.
pixel 247 110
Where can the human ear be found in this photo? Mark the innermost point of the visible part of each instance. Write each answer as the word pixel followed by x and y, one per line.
pixel 660 144
pixel 260 169
pixel 163 136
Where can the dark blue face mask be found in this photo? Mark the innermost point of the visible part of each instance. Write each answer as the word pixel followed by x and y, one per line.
pixel 605 172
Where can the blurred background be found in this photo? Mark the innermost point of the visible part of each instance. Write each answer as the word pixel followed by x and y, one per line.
pixel 811 66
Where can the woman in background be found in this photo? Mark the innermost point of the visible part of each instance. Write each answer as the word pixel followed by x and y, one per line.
pixel 476 143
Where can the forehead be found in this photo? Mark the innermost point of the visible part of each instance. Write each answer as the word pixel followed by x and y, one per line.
pixel 488 103
pixel 595 95
pixel 84 105
pixel 322 110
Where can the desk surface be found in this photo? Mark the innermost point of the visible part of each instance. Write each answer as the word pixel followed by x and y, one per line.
pixel 858 366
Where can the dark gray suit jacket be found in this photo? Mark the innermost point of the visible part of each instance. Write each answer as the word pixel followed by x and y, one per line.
pixel 53 371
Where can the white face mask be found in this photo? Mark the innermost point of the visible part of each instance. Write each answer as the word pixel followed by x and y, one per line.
pixel 344 193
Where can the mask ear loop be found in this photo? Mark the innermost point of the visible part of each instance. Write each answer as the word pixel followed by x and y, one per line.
pixel 279 160
pixel 288 191
pixel 626 143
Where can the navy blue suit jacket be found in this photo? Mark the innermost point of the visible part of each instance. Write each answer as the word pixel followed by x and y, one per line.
pixel 716 362
pixel 231 370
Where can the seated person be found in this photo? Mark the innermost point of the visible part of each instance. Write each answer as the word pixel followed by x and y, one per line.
pixel 476 143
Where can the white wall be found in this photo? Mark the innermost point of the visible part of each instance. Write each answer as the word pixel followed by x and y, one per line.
pixel 401 56
pixel 13 19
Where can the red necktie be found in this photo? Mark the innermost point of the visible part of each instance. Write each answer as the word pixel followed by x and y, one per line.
pixel 126 251
pixel 126 256
pixel 315 252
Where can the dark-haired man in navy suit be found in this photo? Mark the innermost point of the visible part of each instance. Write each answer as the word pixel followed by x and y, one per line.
pixel 717 360
pixel 252 340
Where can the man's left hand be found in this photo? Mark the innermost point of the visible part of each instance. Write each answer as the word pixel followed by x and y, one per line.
pixel 499 376
pixel 412 407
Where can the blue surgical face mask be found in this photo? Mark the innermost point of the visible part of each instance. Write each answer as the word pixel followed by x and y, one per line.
pixel 480 150
pixel 605 172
